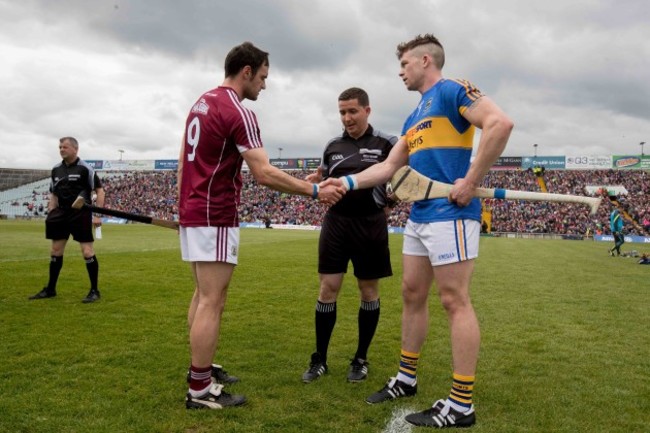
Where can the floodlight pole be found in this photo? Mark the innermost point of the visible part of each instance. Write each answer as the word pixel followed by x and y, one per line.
pixel 641 144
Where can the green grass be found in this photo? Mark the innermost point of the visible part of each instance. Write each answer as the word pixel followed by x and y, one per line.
pixel 565 339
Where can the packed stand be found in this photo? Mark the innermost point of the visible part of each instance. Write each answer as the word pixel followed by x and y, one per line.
pixel 145 193
pixel 154 194
pixel 563 218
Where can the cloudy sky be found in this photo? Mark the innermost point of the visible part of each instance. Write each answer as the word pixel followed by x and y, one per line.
pixel 122 74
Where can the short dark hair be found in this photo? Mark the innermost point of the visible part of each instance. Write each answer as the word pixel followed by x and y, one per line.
pixel 355 93
pixel 243 55
pixel 73 141
pixel 426 39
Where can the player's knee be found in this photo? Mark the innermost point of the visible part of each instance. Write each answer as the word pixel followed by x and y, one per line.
pixel 87 251
pixel 454 301
pixel 414 294
pixel 328 293
pixel 212 303
pixel 368 290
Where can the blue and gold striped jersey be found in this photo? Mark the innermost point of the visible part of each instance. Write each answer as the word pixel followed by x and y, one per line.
pixel 440 144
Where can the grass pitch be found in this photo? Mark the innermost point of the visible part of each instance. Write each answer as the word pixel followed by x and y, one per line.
pixel 565 338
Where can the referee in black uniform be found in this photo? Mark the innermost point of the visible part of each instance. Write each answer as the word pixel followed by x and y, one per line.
pixel 71 178
pixel 354 229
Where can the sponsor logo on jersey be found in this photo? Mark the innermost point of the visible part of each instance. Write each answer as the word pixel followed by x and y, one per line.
pixel 201 107
pixel 371 151
pixel 415 143
pixel 370 155
pixel 423 125
pixel 337 157
pixel 413 136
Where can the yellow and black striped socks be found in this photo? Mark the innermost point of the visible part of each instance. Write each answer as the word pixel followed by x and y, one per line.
pixel 408 365
pixel 460 397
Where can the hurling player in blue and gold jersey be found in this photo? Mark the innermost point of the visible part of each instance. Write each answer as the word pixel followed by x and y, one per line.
pixel 442 235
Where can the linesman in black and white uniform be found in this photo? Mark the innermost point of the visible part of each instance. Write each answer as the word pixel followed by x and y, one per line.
pixel 354 229
pixel 71 178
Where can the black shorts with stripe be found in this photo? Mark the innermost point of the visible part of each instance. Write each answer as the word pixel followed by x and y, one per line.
pixel 61 223
pixel 362 240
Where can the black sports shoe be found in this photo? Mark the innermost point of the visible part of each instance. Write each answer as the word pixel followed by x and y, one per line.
pixel 43 294
pixel 358 370
pixel 92 296
pixel 442 415
pixel 393 389
pixel 215 398
pixel 221 376
pixel 316 369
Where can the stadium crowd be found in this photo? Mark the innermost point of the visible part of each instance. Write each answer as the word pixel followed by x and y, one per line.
pixel 154 194
pixel 562 218
pixel 147 193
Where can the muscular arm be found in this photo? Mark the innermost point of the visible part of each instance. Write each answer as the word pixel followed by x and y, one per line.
pixel 272 177
pixel 496 127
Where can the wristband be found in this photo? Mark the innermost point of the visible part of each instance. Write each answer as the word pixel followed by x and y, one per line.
pixel 350 183
pixel 314 194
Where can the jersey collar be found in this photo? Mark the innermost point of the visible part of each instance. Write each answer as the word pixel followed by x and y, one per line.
pixel 368 132
pixel 75 162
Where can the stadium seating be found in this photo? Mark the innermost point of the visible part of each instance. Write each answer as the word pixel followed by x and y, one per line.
pixel 25 201
pixel 154 194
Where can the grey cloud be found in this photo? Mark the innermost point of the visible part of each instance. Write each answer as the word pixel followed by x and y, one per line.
pixel 294 33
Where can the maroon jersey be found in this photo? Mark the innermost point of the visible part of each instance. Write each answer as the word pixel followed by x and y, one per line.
pixel 218 130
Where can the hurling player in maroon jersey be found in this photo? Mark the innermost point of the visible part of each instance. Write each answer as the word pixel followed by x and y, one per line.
pixel 221 134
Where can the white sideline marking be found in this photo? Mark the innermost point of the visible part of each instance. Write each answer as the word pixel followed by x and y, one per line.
pixel 396 423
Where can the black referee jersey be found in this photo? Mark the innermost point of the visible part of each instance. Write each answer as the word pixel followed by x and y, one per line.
pixel 70 181
pixel 345 155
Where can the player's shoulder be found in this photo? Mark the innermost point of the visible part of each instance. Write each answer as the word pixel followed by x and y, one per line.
pixel 83 164
pixel 461 85
pixel 224 103
pixel 220 96
pixel 392 139
pixel 334 140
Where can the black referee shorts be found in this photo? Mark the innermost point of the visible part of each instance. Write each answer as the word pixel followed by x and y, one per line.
pixel 363 240
pixel 61 223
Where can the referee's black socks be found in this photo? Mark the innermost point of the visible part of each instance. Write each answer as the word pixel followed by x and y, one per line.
pixel 93 272
pixel 325 321
pixel 56 263
pixel 368 320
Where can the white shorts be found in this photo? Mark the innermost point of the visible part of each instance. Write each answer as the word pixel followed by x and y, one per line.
pixel 443 242
pixel 209 244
